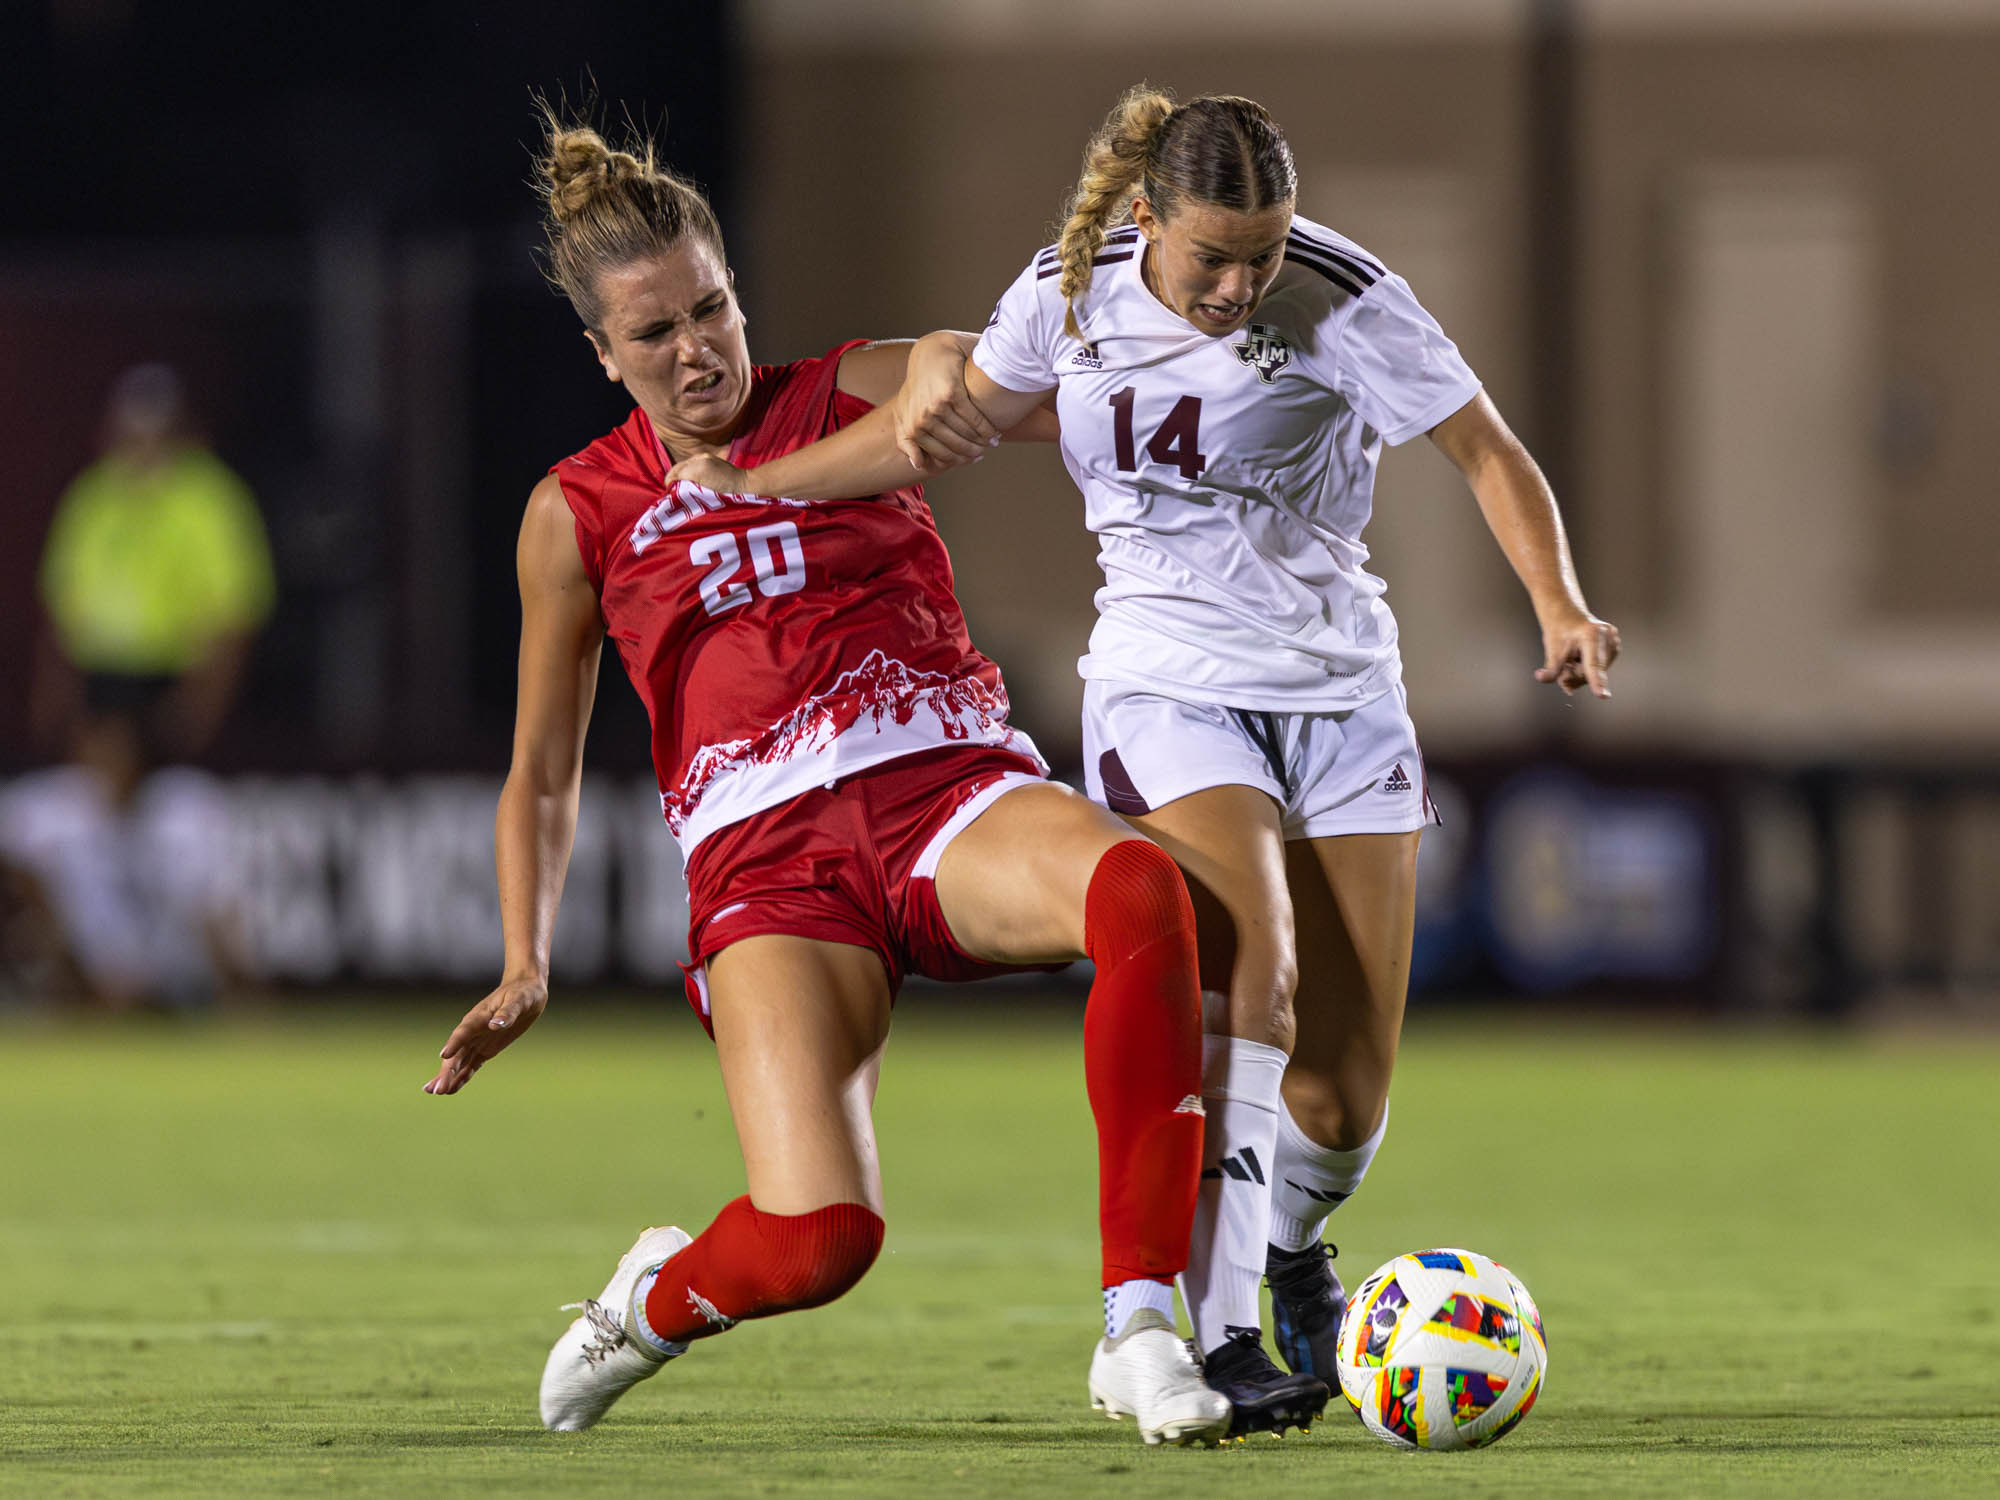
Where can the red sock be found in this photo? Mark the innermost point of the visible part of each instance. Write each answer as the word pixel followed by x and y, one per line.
pixel 750 1264
pixel 1142 1060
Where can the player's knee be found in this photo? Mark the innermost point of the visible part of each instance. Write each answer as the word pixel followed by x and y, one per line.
pixel 831 1249
pixel 1136 898
pixel 1336 1116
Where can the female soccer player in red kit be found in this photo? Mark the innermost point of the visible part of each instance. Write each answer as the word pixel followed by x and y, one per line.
pixel 835 760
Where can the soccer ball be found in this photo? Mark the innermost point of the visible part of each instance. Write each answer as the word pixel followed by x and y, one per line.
pixel 1442 1349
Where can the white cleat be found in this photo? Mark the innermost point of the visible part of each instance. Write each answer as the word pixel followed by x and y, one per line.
pixel 599 1358
pixel 1146 1373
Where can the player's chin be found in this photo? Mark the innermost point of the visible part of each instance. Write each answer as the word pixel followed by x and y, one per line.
pixel 1220 322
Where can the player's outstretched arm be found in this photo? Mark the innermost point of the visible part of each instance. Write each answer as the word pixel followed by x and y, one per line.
pixel 1520 510
pixel 562 634
pixel 943 414
pixel 939 424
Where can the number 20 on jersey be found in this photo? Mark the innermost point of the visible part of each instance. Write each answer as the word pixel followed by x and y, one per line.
pixel 777 563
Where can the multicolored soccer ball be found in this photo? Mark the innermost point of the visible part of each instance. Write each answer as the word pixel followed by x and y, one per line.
pixel 1442 1349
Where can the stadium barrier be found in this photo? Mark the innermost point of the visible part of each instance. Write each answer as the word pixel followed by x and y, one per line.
pixel 1706 885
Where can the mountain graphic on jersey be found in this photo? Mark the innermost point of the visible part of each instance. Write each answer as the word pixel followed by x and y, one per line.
pixel 880 689
pixel 1264 349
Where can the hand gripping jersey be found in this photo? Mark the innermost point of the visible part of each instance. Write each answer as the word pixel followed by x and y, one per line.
pixel 1228 479
pixel 778 645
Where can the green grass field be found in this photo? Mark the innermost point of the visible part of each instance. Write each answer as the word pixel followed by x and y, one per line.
pixel 252 1258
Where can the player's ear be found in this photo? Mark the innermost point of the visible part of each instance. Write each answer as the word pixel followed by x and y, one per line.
pixel 730 273
pixel 603 353
pixel 1146 219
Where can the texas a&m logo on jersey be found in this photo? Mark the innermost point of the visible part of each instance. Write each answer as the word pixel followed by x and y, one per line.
pixel 1265 350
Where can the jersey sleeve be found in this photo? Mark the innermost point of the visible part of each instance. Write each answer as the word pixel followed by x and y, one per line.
pixel 586 511
pixel 1395 366
pixel 1017 349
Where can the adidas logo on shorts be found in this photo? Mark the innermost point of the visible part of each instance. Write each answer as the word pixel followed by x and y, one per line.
pixel 1397 781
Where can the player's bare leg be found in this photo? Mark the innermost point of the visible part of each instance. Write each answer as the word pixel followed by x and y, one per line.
pixel 799 1031
pixel 1355 896
pixel 1045 875
pixel 1229 840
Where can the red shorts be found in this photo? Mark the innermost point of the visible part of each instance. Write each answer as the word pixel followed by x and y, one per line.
pixel 850 864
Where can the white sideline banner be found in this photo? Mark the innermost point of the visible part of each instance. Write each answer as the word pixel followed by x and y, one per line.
pixel 393 880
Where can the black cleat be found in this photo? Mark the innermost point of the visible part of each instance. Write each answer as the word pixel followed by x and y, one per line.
pixel 1307 1301
pixel 1262 1397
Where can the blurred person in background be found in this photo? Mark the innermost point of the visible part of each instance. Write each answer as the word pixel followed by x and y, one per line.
pixel 155 580
pixel 1243 700
pixel 835 760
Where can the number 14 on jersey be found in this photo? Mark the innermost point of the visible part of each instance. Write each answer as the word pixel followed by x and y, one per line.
pixel 1176 442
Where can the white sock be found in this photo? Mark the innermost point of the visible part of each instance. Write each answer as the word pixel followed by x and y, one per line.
pixel 1312 1180
pixel 1124 1298
pixel 1240 1090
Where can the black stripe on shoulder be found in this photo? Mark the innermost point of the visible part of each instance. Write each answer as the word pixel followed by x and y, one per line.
pixel 1120 244
pixel 1313 263
pixel 1357 264
pixel 1332 244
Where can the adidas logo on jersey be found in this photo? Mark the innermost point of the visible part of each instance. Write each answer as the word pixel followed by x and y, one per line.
pixel 1086 358
pixel 1264 349
pixel 1397 781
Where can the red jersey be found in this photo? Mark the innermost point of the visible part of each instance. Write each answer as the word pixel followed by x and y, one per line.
pixel 778 645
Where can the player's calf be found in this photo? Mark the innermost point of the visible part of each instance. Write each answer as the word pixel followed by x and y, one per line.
pixel 1142 1059
pixel 750 1264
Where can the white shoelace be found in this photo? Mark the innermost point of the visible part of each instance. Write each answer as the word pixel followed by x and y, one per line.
pixel 609 1332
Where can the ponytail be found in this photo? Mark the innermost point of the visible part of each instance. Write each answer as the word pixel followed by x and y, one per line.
pixel 1114 168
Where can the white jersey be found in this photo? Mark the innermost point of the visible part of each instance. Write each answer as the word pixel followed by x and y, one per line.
pixel 1228 479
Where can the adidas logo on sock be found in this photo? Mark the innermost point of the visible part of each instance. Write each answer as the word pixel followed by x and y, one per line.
pixel 1317 1195
pixel 717 1318
pixel 1397 782
pixel 1190 1105
pixel 1242 1166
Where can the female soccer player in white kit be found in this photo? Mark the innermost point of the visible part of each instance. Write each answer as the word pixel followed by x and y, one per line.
pixel 1226 374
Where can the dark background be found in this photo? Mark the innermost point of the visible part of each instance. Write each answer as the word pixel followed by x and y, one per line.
pixel 227 187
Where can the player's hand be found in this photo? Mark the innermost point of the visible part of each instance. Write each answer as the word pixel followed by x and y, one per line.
pixel 712 472
pixel 1577 651
pixel 487 1028
pixel 938 425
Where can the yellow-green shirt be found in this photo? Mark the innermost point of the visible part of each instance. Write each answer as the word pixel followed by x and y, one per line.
pixel 146 567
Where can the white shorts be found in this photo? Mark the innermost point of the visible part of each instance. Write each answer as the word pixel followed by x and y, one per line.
pixel 1358 771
